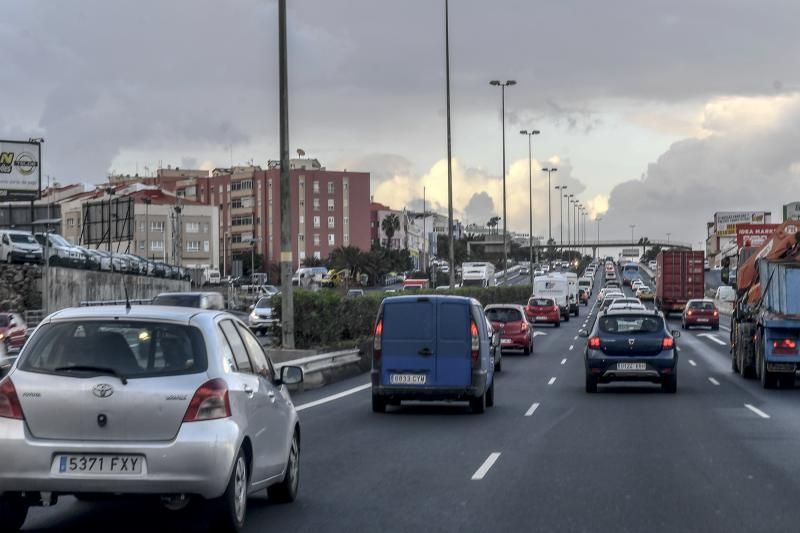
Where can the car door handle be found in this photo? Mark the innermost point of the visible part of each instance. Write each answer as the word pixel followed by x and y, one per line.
pixel 425 351
pixel 271 395
pixel 249 391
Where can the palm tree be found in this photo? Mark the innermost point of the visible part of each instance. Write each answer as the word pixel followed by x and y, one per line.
pixel 390 225
pixel 493 223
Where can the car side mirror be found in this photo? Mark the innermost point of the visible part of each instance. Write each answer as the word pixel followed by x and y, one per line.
pixel 583 333
pixel 252 307
pixel 291 375
pixel 496 338
pixel 12 324
pixel 675 334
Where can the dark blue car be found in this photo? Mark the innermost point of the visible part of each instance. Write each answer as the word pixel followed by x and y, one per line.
pixel 432 348
pixel 631 345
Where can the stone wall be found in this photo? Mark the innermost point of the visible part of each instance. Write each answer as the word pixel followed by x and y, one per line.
pixel 20 287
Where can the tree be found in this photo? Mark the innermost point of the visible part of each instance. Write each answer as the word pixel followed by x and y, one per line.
pixel 312 261
pixel 390 225
pixel 493 223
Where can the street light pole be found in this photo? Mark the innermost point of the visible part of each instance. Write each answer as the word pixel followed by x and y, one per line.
pixel 632 238
pixel 598 219
pixel 569 229
pixel 560 189
pixel 549 195
pixel 530 194
pixel 668 234
pixel 503 86
pixel 449 150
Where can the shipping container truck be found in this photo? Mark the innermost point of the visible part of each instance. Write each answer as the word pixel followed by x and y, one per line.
pixel 679 278
pixel 765 324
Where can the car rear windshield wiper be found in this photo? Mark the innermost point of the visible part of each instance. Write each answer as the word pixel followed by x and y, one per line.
pixel 98 369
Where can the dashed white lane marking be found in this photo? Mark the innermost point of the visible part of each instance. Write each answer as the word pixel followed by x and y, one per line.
pixel 712 337
pixel 678 348
pixel 552 380
pixel 726 328
pixel 714 381
pixel 531 410
pixel 571 346
pixel 333 397
pixel 692 363
pixel 564 361
pixel 481 472
pixel 575 338
pixel 757 411
pixel 538 333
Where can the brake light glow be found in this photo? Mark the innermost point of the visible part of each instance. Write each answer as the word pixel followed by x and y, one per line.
pixel 377 343
pixel 716 313
pixel 594 343
pixel 524 326
pixel 688 313
pixel 784 347
pixel 9 401
pixel 668 343
pixel 210 402
pixel 476 344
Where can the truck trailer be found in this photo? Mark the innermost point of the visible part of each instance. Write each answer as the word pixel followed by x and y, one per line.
pixel 679 278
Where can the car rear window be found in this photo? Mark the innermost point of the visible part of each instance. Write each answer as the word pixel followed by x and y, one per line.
pixel 4 321
pixel 501 314
pixel 134 349
pixel 705 306
pixel 409 320
pixel 629 324
pixel 540 302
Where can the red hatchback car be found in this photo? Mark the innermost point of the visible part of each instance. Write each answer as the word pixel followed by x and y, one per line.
pixel 515 332
pixel 13 331
pixel 700 313
pixel 543 310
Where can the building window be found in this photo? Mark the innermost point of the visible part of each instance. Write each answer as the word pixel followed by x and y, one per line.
pixel 316 221
pixel 331 187
pixel 318 255
pixel 246 220
pixel 157 226
pixel 236 237
pixel 192 227
pixel 302 256
pixel 315 187
pixel 142 244
pixel 331 222
pixel 142 226
pixel 244 185
pixel 203 228
pixel 330 204
pixel 302 219
pixel 346 186
pixel 346 221
pixel 206 246
pixel 192 246
pixel 316 204
pixel 156 246
pixel 236 203
pixel 301 237
pixel 316 239
pixel 346 238
pixel 346 201
pixel 331 239
pixel 302 203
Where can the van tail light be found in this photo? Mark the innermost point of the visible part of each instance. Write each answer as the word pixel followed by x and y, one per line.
pixel 668 343
pixel 476 345
pixel 784 347
pixel 377 343
pixel 9 401
pixel 594 343
pixel 210 402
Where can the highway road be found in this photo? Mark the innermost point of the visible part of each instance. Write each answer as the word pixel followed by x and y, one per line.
pixel 718 456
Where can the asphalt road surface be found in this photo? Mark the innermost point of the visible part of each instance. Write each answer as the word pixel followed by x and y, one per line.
pixel 718 456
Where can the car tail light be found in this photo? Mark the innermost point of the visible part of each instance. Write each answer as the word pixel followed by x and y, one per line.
pixel 716 313
pixel 377 343
pixel 476 344
pixel 524 326
pixel 210 402
pixel 688 313
pixel 784 346
pixel 594 343
pixel 668 343
pixel 9 401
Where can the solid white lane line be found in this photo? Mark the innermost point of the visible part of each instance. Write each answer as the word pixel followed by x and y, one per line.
pixel 714 381
pixel 564 361
pixel 571 346
pixel 726 328
pixel 712 337
pixel 533 408
pixel 481 472
pixel 333 397
pixel 757 411
pixel 552 380
pixel 692 363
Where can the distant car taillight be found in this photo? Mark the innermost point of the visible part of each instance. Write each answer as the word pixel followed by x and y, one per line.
pixel 9 401
pixel 668 343
pixel 688 313
pixel 210 402
pixel 376 344
pixel 784 347
pixel 476 344
pixel 594 343
pixel 716 313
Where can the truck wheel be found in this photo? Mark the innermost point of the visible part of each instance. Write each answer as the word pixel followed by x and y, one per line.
pixel 478 405
pixel 734 362
pixel 378 404
pixel 591 383
pixel 769 380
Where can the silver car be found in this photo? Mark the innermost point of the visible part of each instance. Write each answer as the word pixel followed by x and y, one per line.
pixel 176 402
pixel 260 318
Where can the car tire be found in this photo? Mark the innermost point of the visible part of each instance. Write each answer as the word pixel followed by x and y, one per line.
pixel 230 509
pixel 286 490
pixel 670 384
pixel 490 396
pixel 557 324
pixel 529 348
pixel 566 318
pixel 591 384
pixel 378 404
pixel 8 259
pixel 13 512
pixel 715 328
pixel 478 405
pixel 498 365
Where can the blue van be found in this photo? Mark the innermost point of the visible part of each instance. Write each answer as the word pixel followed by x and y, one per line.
pixel 432 348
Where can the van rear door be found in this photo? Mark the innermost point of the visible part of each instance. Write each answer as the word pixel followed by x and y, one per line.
pixel 453 364
pixel 409 342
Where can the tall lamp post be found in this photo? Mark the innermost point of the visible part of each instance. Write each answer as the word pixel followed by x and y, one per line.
pixel 569 198
pixel 503 86
pixel 451 257
pixel 632 226
pixel 549 195
pixel 147 201
pixel 530 193
pixel 668 234
pixel 560 189
pixel 576 206
pixel 598 219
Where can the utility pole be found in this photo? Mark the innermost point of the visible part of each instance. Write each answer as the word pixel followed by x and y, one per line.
pixel 598 219
pixel 549 197
pixel 503 122
pixel 560 189
pixel 287 301
pixel 530 194
pixel 451 258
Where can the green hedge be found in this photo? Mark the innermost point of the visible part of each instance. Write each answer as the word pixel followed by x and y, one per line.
pixel 327 318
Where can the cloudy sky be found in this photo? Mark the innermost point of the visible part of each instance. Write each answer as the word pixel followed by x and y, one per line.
pixel 655 113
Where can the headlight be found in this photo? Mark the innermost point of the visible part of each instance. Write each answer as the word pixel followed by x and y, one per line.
pixel 253 316
pixel 2 336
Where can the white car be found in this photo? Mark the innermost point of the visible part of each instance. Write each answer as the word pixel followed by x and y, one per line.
pixel 626 307
pixel 539 272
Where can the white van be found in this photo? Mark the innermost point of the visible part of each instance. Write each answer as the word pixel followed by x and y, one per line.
pixel 305 276
pixel 574 304
pixel 553 286
pixel 19 247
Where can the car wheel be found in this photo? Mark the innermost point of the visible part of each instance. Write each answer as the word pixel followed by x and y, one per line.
pixel 490 396
pixel 566 318
pixel 478 405
pixel 528 348
pixel 286 490
pixel 670 384
pixel 230 509
pixel 8 259
pixel 715 328
pixel 13 512
pixel 498 365
pixel 378 404
pixel 557 324
pixel 591 383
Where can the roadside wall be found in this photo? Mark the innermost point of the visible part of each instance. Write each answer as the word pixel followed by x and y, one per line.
pixel 20 287
pixel 68 287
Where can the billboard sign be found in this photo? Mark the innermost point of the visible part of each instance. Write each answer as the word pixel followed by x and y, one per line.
pixel 725 223
pixel 114 216
pixel 753 234
pixel 791 211
pixel 631 252
pixel 20 170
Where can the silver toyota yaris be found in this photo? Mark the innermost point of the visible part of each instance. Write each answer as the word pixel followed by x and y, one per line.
pixel 168 401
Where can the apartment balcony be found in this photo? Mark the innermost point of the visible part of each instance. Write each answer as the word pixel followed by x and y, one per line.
pixel 241 193
pixel 240 211
pixel 241 246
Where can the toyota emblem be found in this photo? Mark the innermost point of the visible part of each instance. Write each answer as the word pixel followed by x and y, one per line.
pixel 103 390
pixel 631 341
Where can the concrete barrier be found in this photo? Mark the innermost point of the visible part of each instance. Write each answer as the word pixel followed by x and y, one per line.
pixel 68 287
pixel 326 368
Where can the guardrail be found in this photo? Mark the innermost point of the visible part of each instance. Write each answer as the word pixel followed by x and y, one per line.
pixel 33 317
pixel 316 366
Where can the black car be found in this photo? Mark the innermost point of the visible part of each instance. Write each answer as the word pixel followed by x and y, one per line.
pixel 631 345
